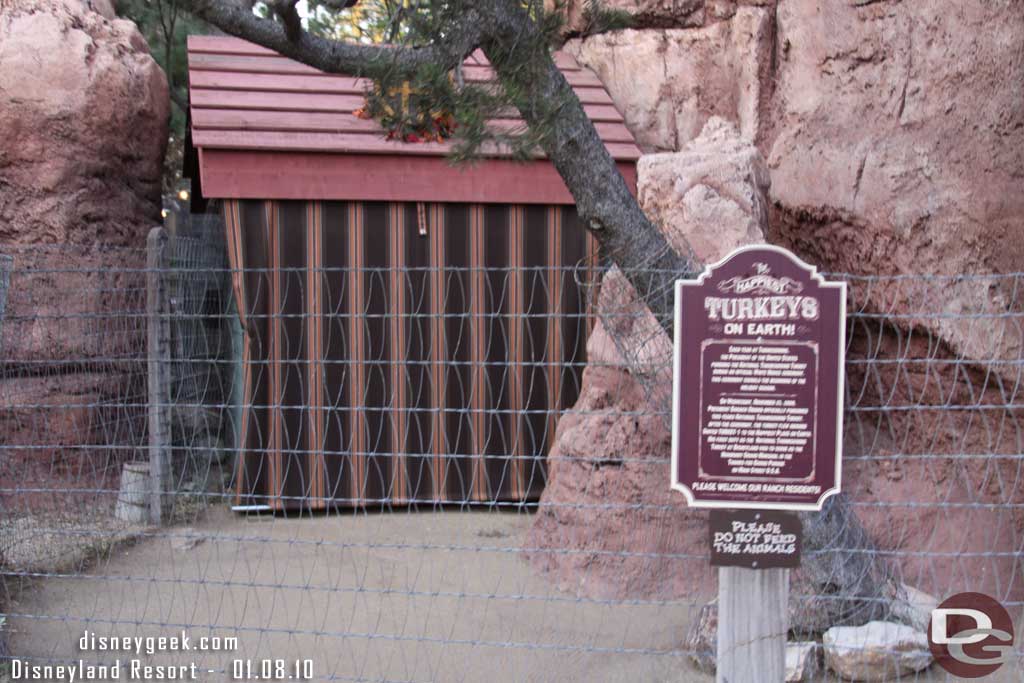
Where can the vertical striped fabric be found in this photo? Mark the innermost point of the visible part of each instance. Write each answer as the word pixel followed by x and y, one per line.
pixel 402 353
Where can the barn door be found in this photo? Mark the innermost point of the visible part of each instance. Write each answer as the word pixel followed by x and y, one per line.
pixel 402 353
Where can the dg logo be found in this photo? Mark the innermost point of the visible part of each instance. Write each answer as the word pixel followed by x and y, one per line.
pixel 971 635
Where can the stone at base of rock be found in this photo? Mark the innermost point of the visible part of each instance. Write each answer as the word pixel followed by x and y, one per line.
pixel 803 661
pixel 702 640
pixel 876 651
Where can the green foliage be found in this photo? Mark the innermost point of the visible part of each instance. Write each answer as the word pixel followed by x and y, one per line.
pixel 476 116
pixel 370 21
pixel 166 26
pixel 598 18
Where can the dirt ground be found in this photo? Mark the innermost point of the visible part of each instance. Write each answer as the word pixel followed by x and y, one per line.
pixel 435 596
pixel 418 596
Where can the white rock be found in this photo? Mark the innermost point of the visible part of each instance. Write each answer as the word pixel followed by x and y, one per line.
pixel 803 659
pixel 876 651
pixel 711 194
pixel 803 662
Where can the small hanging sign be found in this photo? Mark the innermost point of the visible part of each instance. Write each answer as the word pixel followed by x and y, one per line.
pixel 755 539
pixel 758 381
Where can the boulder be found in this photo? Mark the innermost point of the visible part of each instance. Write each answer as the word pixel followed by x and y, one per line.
pixel 717 180
pixel 876 651
pixel 894 139
pixel 803 662
pixel 611 449
pixel 83 128
pixel 668 82
pixel 895 145
pixel 82 138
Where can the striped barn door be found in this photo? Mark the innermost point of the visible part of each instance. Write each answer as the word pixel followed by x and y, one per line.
pixel 402 353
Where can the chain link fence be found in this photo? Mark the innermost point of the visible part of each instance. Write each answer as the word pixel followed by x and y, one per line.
pixel 492 503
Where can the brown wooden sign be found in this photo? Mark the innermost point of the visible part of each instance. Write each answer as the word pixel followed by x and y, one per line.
pixel 757 404
pixel 756 539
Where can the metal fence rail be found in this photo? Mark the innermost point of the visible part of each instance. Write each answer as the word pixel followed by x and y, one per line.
pixel 493 502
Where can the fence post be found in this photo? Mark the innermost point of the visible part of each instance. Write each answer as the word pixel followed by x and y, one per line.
pixel 752 625
pixel 158 335
pixel 6 266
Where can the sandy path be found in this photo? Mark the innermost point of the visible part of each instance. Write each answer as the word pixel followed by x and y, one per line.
pixel 425 596
pixel 360 597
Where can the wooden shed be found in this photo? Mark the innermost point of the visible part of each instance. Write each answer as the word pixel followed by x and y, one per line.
pixel 411 329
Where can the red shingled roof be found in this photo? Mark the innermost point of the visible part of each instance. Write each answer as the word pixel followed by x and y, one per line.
pixel 258 117
pixel 244 96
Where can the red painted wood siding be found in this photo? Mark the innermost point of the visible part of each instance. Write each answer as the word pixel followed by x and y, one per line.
pixel 242 174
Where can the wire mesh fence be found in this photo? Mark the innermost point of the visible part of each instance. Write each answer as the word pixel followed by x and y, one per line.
pixel 454 473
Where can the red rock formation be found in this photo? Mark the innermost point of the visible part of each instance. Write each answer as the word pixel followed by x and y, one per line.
pixel 83 129
pixel 895 146
pixel 607 500
pixel 894 136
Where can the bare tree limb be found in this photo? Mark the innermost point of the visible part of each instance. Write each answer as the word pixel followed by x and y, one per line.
pixel 335 56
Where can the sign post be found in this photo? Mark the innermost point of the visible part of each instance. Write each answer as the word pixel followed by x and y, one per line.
pixel 757 431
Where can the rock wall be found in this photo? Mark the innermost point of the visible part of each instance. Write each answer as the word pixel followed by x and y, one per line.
pixel 894 145
pixel 83 128
pixel 897 146
pixel 894 135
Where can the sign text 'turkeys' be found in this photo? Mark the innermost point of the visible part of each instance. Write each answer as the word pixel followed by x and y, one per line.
pixel 757 401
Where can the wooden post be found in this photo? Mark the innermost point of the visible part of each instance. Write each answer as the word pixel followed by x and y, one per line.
pixel 752 625
pixel 6 266
pixel 158 334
